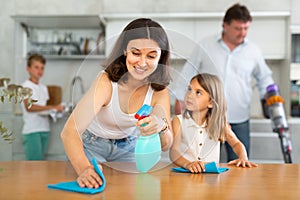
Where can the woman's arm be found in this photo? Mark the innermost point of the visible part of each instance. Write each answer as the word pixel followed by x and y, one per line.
pixel 239 149
pixel 175 155
pixel 91 103
pixel 163 104
pixel 159 120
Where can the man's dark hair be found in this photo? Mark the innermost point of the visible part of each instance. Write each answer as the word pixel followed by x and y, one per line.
pixel 237 12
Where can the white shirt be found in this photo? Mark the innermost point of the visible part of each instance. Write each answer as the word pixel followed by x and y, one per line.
pixel 196 143
pixel 235 69
pixel 33 122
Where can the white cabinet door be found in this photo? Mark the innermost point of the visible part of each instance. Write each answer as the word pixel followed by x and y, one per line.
pixel 181 33
pixel 268 30
pixel 270 34
pixel 113 30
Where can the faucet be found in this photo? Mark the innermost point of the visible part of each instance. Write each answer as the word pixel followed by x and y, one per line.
pixel 76 79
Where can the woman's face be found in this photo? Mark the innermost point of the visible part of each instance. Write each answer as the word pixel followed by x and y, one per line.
pixel 142 57
pixel 196 98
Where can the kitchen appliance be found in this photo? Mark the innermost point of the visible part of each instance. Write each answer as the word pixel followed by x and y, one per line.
pixel 274 103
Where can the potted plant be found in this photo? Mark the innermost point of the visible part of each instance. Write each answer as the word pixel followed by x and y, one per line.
pixel 15 94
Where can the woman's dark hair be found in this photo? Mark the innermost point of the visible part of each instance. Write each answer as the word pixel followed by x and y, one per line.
pixel 237 12
pixel 141 28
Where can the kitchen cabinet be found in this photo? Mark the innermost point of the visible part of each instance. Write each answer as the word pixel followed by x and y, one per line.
pixel 56 35
pixel 65 37
pixel 15 150
pixel 295 71
pixel 296 47
pixel 186 29
pixel 265 144
pixel 5 147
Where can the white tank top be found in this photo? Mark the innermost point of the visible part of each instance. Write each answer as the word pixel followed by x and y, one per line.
pixel 111 122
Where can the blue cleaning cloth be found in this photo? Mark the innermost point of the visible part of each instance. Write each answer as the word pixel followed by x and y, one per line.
pixel 209 168
pixel 74 187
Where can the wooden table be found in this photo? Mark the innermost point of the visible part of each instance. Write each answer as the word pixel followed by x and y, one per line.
pixel 29 179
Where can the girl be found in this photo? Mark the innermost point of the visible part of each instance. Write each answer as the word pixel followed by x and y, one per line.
pixel 103 124
pixel 200 129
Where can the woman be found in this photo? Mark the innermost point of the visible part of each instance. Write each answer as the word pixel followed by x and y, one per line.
pixel 102 124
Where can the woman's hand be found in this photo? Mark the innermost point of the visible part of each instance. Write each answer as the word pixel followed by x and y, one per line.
pixel 151 125
pixel 195 167
pixel 242 163
pixel 89 178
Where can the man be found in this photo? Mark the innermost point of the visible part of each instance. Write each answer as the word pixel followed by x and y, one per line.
pixel 235 60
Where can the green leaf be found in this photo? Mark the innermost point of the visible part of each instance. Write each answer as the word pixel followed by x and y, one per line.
pixel 3 129
pixel 9 97
pixel 4 82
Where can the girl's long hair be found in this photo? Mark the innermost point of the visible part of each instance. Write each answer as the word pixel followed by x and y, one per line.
pixel 216 116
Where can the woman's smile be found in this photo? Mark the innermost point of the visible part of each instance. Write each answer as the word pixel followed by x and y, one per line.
pixel 142 57
pixel 139 70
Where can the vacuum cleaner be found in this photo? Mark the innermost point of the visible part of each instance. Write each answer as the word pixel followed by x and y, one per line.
pixel 274 109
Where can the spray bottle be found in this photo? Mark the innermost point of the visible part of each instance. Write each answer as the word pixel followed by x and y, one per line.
pixel 148 148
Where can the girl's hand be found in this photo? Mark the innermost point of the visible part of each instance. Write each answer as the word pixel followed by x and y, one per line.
pixel 89 178
pixel 151 125
pixel 196 167
pixel 242 163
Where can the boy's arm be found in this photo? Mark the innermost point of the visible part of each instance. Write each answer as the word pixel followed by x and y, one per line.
pixel 37 108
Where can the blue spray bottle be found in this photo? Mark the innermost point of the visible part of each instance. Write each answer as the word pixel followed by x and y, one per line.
pixel 148 148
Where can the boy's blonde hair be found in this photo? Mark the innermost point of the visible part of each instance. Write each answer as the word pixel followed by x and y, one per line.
pixel 35 57
pixel 216 116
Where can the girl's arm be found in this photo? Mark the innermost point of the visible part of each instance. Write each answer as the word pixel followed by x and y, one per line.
pixel 91 103
pixel 239 149
pixel 175 155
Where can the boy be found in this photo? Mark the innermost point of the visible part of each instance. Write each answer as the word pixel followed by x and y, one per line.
pixel 36 127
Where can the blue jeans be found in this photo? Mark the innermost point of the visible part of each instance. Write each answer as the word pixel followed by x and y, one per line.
pixel 106 150
pixel 242 131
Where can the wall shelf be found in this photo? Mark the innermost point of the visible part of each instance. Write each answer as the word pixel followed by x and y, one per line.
pixel 62 37
pixel 75 57
pixel 59 21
